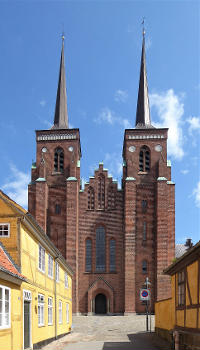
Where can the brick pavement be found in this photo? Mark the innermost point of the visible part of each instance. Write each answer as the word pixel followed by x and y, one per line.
pixel 109 333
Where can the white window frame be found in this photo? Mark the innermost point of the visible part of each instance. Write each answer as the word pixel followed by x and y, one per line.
pixel 67 313
pixel 5 224
pixel 60 312
pixel 41 258
pixel 50 266
pixel 66 280
pixel 57 272
pixel 4 325
pixel 50 311
pixel 41 307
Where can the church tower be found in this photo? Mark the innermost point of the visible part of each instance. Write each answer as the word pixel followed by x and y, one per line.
pixel 112 238
pixel 149 205
pixel 55 180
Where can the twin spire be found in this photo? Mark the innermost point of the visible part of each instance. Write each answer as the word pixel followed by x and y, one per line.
pixel 61 115
pixel 143 119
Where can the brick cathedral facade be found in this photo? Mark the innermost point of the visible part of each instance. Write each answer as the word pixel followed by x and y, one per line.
pixel 112 238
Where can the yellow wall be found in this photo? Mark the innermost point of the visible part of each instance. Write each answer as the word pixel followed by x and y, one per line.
pixel 166 312
pixel 45 285
pixel 8 215
pixel 11 338
pixel 163 314
pixel 27 256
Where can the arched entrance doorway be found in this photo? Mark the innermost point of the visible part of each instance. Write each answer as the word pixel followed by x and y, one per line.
pixel 100 304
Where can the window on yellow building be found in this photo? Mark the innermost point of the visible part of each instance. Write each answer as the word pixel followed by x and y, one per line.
pixel 181 288
pixel 40 310
pixel 50 311
pixel 67 313
pixel 50 266
pixel 4 230
pixel 66 280
pixel 57 272
pixel 60 311
pixel 4 307
pixel 41 259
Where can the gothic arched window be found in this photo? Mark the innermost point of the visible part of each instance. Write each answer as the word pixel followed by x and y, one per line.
pixel 88 255
pixel 144 266
pixel 100 249
pixel 91 198
pixel 111 198
pixel 112 255
pixel 57 209
pixel 59 160
pixel 101 192
pixel 144 159
pixel 144 235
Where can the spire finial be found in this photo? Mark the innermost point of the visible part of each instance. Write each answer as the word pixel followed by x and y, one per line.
pixel 143 27
pixel 63 36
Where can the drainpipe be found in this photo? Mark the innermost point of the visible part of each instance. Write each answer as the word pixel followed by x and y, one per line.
pixel 55 300
pixel 176 339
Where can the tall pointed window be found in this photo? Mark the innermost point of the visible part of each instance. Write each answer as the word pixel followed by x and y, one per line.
pixel 144 231
pixel 101 192
pixel 144 159
pixel 88 255
pixel 100 249
pixel 59 160
pixel 112 255
pixel 111 198
pixel 91 198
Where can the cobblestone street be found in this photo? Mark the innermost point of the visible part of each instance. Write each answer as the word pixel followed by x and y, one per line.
pixel 109 333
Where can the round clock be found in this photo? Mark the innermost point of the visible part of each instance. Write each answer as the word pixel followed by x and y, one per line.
pixel 132 148
pixel 158 148
pixel 71 149
pixel 44 149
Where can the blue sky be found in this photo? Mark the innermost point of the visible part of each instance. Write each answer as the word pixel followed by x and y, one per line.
pixel 102 55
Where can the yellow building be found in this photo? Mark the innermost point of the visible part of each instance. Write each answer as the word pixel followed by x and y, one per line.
pixel 178 318
pixel 35 299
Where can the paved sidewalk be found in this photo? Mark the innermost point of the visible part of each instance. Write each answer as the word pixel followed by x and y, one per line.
pixel 109 333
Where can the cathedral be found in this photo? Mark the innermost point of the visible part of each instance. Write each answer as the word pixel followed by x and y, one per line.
pixel 112 238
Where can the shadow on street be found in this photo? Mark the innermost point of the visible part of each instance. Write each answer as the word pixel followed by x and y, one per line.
pixel 139 341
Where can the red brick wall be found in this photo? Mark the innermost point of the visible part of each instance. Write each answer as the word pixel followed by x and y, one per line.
pixel 70 229
pixel 112 221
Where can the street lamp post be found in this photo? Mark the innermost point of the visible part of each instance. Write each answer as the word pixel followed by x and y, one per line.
pixel 147 285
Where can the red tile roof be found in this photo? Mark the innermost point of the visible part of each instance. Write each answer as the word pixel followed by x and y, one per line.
pixel 7 265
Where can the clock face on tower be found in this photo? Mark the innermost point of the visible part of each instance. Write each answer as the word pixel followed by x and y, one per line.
pixel 71 149
pixel 131 149
pixel 44 149
pixel 158 148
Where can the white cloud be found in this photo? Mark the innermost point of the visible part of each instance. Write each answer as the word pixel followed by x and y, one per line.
pixel 196 193
pixel 170 110
pixel 121 95
pixel 43 103
pixel 114 162
pixel 194 124
pixel 16 186
pixel 108 116
pixel 184 171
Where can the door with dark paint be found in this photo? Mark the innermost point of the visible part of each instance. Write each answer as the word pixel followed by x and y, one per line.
pixel 26 324
pixel 100 304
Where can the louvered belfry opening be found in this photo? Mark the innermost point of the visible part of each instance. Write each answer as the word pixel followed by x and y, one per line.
pixel 144 159
pixel 59 160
